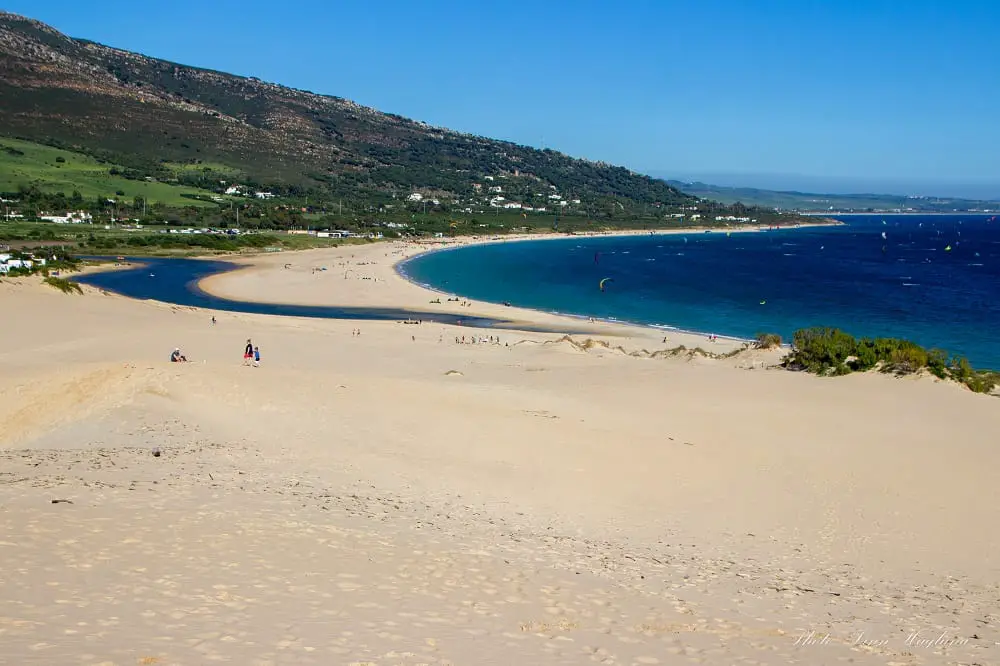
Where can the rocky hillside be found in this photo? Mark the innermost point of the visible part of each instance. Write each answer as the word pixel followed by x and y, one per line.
pixel 141 112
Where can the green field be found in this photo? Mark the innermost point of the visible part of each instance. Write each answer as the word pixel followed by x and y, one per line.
pixel 23 163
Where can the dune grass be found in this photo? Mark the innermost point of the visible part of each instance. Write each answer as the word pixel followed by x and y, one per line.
pixel 63 285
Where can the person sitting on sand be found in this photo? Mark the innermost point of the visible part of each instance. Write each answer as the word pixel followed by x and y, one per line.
pixel 177 357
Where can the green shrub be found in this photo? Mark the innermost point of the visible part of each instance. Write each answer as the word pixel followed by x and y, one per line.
pixel 63 285
pixel 904 357
pixel 865 355
pixel 822 350
pixel 768 340
pixel 829 351
pixel 937 363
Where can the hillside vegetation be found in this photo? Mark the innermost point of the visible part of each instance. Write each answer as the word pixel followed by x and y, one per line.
pixel 120 135
pixel 142 112
pixel 52 170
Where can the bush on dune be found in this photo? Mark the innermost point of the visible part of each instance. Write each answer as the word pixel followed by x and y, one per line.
pixel 831 352
pixel 767 340
pixel 63 285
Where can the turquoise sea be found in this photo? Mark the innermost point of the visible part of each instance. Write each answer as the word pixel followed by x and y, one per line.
pixel 931 279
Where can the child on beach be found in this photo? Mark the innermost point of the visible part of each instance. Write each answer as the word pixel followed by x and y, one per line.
pixel 248 352
pixel 256 357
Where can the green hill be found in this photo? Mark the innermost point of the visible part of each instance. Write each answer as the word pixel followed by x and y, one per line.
pixel 149 115
pixel 52 170
pixel 827 203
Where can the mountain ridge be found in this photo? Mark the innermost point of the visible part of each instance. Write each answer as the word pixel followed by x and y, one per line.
pixel 143 112
pixel 819 202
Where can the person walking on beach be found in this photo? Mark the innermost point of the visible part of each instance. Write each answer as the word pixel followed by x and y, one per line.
pixel 213 320
pixel 256 357
pixel 248 353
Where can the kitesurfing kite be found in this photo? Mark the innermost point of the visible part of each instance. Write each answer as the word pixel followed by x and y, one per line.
pixel 601 283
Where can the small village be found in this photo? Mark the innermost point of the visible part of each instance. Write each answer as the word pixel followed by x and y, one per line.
pixel 14 263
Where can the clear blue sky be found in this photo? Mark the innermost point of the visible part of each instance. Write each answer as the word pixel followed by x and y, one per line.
pixel 877 91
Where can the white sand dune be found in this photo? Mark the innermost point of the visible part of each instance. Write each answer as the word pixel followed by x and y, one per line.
pixel 397 498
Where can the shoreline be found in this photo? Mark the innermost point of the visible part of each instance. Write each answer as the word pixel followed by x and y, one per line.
pixel 222 285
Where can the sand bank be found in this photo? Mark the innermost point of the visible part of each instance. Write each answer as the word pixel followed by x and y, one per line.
pixel 367 275
pixel 396 498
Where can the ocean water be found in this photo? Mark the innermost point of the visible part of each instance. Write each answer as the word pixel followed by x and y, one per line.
pixel 931 279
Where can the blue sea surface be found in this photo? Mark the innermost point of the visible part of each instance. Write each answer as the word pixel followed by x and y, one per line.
pixel 176 281
pixel 931 279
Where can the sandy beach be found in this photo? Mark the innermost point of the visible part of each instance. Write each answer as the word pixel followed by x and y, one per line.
pixel 397 497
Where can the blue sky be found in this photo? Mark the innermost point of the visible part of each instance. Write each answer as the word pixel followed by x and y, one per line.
pixel 890 94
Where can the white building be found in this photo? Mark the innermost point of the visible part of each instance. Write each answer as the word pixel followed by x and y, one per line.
pixel 76 217
pixel 264 195
pixel 234 190
pixel 496 188
pixel 14 263
pixel 416 196
pixel 512 204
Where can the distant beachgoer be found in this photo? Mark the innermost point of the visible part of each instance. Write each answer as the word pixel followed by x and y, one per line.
pixel 177 357
pixel 248 353
pixel 256 357
pixel 213 320
pixel 413 337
